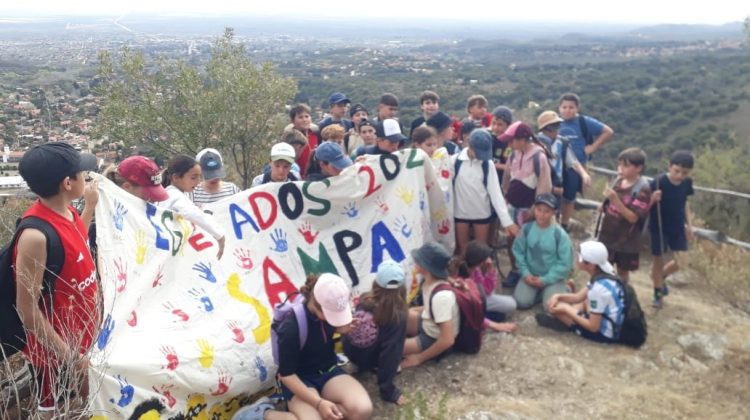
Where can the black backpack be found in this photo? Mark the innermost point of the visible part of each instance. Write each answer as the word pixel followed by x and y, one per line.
pixel 12 331
pixel 633 331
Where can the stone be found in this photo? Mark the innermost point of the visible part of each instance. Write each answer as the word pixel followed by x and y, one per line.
pixel 703 346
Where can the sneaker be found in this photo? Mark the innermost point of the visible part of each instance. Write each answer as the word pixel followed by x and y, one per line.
pixel 512 279
pixel 341 359
pixel 546 320
pixel 658 300
pixel 255 411
pixel 665 289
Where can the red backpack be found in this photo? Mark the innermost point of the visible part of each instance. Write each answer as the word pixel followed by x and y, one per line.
pixel 472 304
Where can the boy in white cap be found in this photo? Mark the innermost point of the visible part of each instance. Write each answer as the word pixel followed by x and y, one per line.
pixel 282 158
pixel 596 312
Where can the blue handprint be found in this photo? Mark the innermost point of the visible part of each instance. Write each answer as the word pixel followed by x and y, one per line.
pixel 119 215
pixel 351 210
pixel 103 339
pixel 402 225
pixel 279 240
pixel 202 297
pixel 447 196
pixel 422 202
pixel 205 272
pixel 262 371
pixel 126 392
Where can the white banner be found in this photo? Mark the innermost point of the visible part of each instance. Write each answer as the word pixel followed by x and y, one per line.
pixel 186 334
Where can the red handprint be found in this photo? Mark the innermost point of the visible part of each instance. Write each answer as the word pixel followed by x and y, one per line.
pixel 172 360
pixel 382 205
pixel 306 231
pixel 444 227
pixel 165 392
pixel 177 312
pixel 445 173
pixel 243 258
pixel 158 277
pixel 122 274
pixel 224 380
pixel 238 335
pixel 133 320
pixel 429 186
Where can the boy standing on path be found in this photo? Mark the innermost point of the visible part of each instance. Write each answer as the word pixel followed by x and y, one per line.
pixel 669 222
pixel 625 209
pixel 586 136
pixel 60 327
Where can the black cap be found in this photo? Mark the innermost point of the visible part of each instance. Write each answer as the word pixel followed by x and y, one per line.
pixel 548 199
pixel 43 167
pixel 440 121
pixel 356 108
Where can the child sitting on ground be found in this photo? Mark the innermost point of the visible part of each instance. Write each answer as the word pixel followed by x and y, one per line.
pixel 625 210
pixel 544 255
pixel 669 223
pixel 377 339
pixel 476 264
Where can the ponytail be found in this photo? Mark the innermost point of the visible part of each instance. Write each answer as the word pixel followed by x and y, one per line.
pixel 179 165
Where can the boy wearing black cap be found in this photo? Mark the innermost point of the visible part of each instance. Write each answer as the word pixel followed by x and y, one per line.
pixel 60 329
pixel 338 104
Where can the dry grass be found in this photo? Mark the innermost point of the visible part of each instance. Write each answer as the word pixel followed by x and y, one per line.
pixel 726 269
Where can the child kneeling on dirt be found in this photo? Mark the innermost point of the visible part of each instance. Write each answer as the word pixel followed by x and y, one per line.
pixel 543 254
pixel 377 340
pixel 430 336
pixel 596 312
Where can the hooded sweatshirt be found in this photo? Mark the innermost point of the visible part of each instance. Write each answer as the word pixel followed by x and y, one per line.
pixel 521 182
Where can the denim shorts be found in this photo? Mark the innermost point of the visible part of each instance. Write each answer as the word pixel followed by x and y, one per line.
pixel 316 381
pixel 572 184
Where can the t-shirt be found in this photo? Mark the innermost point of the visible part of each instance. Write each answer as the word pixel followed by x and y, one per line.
pixel 617 233
pixel 672 205
pixel 572 130
pixel 318 354
pixel 474 200
pixel 202 197
pixel 445 308
pixel 606 297
pixel 75 316
pixel 541 254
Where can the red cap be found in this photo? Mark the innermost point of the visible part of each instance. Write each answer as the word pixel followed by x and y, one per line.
pixel 517 130
pixel 145 173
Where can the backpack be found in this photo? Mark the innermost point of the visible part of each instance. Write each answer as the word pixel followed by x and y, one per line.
pixel 12 331
pixel 294 305
pixel 485 170
pixel 633 330
pixel 472 305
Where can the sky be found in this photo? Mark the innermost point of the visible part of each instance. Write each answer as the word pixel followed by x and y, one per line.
pixel 592 11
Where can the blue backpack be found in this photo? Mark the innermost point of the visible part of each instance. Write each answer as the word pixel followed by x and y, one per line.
pixel 294 305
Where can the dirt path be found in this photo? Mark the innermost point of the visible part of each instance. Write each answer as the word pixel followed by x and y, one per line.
pixel 538 373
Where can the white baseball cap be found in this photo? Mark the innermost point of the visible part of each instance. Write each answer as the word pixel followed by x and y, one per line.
pixel 594 252
pixel 283 151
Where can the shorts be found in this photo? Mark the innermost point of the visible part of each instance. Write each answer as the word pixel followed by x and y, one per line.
pixel 51 385
pixel 572 184
pixel 316 381
pixel 597 336
pixel 671 243
pixel 424 340
pixel 484 221
pixel 625 261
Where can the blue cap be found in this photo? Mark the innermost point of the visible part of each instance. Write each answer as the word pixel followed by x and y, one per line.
pixel 390 275
pixel 333 154
pixel 337 98
pixel 481 142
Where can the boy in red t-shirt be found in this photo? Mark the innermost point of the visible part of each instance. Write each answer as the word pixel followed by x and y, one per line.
pixel 60 327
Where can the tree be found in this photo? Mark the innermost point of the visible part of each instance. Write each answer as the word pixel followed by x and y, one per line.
pixel 231 104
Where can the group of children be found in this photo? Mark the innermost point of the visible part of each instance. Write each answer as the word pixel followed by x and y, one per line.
pixel 503 173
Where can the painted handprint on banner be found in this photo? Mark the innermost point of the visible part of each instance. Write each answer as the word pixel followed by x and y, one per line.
pixel 140 247
pixel 201 296
pixel 262 370
pixel 306 231
pixel 402 226
pixel 243 258
pixel 133 319
pixel 223 386
pixel 422 200
pixel 166 392
pixel 350 210
pixel 444 227
pixel 122 275
pixel 205 272
pixel 405 194
pixel 206 359
pixel 239 336
pixel 126 392
pixel 159 275
pixel 179 313
pixel 382 205
pixel 118 217
pixel 172 360
pixel 447 196
pixel 103 339
pixel 278 236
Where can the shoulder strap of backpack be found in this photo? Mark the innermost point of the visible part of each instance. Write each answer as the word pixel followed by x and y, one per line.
pixel 439 288
pixel 638 186
pixel 585 129
pixel 55 251
pixel 537 165
pixel 485 172
pixel 456 166
pixel 526 229
pixel 299 313
pixel 621 285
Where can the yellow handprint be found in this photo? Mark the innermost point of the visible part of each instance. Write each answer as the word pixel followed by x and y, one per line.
pixel 140 247
pixel 406 195
pixel 206 358
pixel 262 332
pixel 186 228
